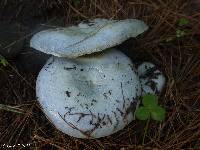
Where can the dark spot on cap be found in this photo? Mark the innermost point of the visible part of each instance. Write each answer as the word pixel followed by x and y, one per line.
pixel 104 123
pixel 93 100
pixel 110 92
pixel 121 113
pixel 70 68
pixel 131 66
pixel 68 93
pixel 104 94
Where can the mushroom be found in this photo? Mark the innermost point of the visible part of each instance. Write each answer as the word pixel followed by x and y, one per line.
pixel 87 89
pixel 151 78
pixel 89 96
pixel 86 38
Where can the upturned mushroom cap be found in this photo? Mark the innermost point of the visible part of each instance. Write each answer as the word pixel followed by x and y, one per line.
pixel 91 96
pixel 86 38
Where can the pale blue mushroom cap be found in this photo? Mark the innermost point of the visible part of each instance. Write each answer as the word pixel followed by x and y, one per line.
pixel 86 38
pixel 90 96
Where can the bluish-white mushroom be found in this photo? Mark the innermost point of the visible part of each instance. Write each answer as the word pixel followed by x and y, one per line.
pixel 151 78
pixel 86 38
pixel 92 96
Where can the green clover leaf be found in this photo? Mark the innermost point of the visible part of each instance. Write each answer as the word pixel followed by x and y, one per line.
pixel 142 113
pixel 180 33
pixel 158 113
pixel 149 100
pixel 3 61
pixel 150 109
pixel 183 21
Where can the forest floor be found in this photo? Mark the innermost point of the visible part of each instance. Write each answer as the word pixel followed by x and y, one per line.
pixel 173 46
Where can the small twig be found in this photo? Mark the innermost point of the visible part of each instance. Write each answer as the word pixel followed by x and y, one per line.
pixel 11 108
pixel 78 12
pixel 47 141
pixel 97 6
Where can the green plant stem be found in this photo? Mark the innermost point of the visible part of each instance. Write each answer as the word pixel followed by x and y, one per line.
pixel 145 130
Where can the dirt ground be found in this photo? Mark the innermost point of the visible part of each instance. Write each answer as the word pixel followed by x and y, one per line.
pixel 23 124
